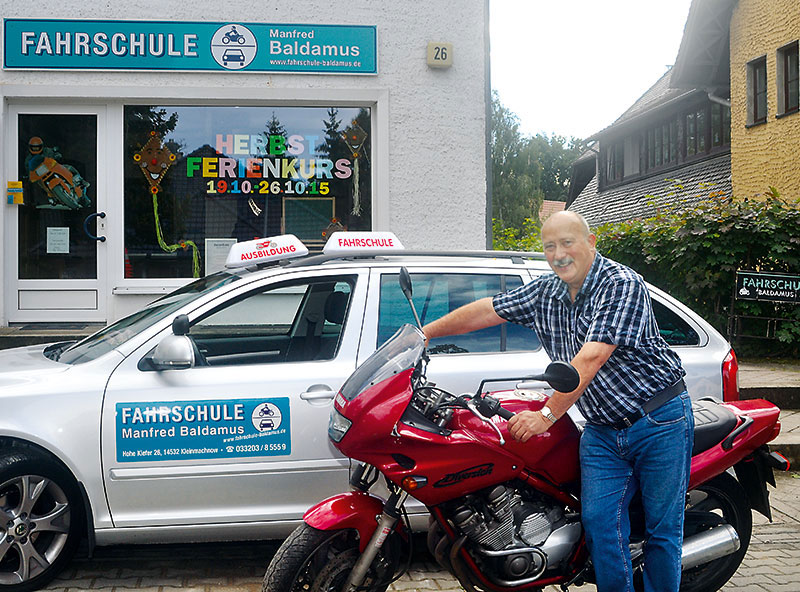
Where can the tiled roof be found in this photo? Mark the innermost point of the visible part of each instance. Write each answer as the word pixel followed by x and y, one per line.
pixel 646 197
pixel 658 94
pixel 550 207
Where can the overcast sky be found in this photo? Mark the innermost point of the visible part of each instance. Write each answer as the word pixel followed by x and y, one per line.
pixel 571 67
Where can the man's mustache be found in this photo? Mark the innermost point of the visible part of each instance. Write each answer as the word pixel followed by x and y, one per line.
pixel 562 262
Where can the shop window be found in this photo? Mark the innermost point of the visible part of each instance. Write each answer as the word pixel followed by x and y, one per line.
pixel 757 91
pixel 788 79
pixel 197 178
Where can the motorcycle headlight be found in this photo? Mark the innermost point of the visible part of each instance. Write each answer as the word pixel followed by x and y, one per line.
pixel 338 425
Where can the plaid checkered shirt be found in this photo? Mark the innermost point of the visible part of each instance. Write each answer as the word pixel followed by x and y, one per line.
pixel 614 307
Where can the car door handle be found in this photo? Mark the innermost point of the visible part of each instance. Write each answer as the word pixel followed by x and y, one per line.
pixel 318 392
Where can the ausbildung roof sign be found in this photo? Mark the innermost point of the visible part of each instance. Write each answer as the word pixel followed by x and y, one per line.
pixel 47 44
pixel 772 287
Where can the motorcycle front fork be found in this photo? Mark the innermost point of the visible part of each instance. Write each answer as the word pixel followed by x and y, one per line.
pixel 386 523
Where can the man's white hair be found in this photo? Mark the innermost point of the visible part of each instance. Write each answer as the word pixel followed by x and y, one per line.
pixel 574 216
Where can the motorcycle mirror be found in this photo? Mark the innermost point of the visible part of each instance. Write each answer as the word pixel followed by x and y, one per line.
pixel 405 283
pixel 562 376
pixel 405 286
pixel 180 325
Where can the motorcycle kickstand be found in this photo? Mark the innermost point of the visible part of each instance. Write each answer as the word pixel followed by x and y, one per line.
pixel 389 517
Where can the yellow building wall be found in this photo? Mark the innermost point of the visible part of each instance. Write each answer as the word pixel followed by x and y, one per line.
pixel 766 154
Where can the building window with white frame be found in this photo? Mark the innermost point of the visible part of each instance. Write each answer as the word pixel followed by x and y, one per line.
pixel 200 177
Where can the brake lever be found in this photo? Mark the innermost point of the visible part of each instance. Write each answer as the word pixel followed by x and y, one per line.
pixel 470 403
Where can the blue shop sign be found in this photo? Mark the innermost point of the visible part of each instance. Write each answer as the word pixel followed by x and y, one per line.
pixel 46 44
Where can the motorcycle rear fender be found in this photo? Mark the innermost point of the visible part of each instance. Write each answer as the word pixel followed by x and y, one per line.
pixel 354 509
pixel 754 472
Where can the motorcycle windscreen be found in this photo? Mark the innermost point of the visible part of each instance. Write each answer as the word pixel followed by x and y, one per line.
pixel 58 169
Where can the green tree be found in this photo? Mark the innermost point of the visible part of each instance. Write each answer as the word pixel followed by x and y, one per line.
pixel 516 177
pixel 525 171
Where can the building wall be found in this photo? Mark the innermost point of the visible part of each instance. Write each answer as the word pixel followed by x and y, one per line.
pixel 763 155
pixel 429 125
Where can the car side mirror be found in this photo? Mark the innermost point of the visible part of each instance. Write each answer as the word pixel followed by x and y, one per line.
pixel 175 352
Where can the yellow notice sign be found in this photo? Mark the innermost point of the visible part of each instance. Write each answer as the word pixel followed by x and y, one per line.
pixel 14 192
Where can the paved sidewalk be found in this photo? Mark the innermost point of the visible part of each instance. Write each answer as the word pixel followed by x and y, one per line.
pixel 772 563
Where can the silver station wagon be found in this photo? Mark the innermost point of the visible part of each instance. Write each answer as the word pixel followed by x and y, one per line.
pixel 203 416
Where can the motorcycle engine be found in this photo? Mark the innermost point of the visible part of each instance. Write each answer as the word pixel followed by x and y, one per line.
pixel 521 538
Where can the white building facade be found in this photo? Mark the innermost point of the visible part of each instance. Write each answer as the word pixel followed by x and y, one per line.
pixel 138 145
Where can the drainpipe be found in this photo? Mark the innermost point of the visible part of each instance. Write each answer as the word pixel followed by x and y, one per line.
pixel 715 99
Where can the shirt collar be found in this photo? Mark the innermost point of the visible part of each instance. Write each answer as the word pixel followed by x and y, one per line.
pixel 561 290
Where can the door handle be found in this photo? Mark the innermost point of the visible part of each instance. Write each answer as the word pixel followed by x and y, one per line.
pixel 318 392
pixel 89 218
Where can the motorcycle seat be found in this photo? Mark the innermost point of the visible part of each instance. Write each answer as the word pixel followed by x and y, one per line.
pixel 712 423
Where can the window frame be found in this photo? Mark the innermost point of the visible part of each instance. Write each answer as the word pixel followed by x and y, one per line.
pixel 676 127
pixel 788 79
pixel 756 67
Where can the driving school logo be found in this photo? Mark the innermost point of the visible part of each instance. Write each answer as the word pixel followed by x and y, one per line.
pixel 266 417
pixel 471 473
pixel 234 46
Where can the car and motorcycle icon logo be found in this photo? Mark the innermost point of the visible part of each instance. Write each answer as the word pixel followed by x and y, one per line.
pixel 266 417
pixel 233 46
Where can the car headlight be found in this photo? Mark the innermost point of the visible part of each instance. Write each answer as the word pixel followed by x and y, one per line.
pixel 338 425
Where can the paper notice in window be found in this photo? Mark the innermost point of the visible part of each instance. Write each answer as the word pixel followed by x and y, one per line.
pixel 216 253
pixel 57 240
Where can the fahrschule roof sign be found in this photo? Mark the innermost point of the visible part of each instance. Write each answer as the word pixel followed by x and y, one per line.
pixel 48 44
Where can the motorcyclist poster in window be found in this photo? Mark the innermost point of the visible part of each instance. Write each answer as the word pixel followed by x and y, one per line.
pixel 58 167
pixel 241 173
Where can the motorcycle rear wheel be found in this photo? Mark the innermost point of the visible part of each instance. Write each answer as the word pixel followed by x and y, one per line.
pixel 723 501
pixel 319 561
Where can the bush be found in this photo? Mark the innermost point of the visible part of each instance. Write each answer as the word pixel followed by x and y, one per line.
pixel 694 256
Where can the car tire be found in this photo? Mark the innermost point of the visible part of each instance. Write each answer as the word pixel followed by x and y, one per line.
pixel 41 518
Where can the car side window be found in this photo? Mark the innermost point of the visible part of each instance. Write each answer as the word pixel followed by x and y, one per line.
pixel 291 322
pixel 672 327
pixel 436 294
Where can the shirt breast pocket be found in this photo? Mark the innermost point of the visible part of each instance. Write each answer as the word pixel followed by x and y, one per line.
pixel 582 323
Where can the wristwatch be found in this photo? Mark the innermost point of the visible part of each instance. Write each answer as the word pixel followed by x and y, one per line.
pixel 545 411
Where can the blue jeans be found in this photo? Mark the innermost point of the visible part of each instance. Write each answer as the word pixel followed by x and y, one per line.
pixel 652 456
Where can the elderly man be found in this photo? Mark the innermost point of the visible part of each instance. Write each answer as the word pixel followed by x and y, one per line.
pixel 597 314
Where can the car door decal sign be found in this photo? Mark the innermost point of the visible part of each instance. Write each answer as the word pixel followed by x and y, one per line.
pixel 204 429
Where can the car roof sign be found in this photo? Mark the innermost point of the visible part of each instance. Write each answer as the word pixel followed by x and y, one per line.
pixel 265 250
pixel 343 243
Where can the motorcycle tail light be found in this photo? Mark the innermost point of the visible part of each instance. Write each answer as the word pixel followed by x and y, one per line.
pixel 412 482
pixel 730 377
pixel 338 425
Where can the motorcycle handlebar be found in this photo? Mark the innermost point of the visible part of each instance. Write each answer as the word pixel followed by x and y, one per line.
pixel 489 407
pixel 505 413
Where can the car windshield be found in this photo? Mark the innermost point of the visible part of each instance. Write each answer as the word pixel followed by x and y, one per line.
pixel 401 352
pixel 107 339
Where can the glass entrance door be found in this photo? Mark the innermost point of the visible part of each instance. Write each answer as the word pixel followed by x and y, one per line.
pixel 60 226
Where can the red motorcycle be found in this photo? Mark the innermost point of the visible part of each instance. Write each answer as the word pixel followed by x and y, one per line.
pixel 504 516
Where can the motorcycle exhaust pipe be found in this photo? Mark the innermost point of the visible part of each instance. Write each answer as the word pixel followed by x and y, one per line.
pixel 709 545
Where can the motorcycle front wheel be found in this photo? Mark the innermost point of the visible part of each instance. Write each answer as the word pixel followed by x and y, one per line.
pixel 320 561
